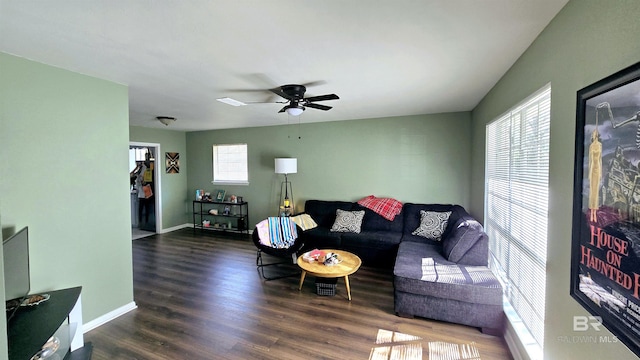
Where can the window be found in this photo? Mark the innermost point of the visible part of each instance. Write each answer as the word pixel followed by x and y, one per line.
pixel 517 188
pixel 230 164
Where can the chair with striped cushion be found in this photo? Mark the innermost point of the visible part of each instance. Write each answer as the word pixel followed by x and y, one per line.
pixel 277 237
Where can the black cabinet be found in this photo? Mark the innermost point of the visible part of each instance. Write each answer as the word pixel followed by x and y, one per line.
pixel 221 216
pixel 31 327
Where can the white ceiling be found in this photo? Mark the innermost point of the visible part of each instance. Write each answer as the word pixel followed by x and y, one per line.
pixel 383 58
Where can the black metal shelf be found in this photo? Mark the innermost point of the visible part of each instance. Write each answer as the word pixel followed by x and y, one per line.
pixel 201 213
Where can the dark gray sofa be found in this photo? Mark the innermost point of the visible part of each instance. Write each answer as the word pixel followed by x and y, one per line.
pixel 443 280
pixel 376 244
pixel 447 280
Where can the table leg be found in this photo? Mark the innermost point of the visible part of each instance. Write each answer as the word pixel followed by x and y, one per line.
pixel 346 282
pixel 304 273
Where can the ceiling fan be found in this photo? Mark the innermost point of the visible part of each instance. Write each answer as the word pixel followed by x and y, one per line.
pixel 296 102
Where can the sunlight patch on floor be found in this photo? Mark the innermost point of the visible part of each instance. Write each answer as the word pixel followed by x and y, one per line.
pixel 399 346
pixel 440 350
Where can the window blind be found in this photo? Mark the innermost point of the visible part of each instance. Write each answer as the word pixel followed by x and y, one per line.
pixel 516 206
pixel 230 164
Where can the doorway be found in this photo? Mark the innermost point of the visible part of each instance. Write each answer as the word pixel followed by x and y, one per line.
pixel 144 189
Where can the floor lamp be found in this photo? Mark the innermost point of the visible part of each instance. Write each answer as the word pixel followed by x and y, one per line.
pixel 286 166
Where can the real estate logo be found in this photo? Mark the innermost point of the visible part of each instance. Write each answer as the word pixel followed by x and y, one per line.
pixel 583 323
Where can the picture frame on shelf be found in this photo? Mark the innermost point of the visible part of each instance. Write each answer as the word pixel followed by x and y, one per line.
pixel 605 251
pixel 220 195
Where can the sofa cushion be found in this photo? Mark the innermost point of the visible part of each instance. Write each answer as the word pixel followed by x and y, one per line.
pixel 461 239
pixel 418 265
pixel 372 239
pixel 324 212
pixel 432 224
pixel 348 221
pixel 321 238
pixel 375 222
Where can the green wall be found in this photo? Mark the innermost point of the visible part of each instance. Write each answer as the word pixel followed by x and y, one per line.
pixel 4 348
pixel 173 186
pixel 411 158
pixel 63 173
pixel 587 41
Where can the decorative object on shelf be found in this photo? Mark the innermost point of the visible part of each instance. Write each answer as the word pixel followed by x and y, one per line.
pixel 35 299
pixel 286 166
pixel 240 199
pixel 220 195
pixel 199 194
pixel 213 211
pixel 172 162
pixel 233 199
pixel 227 210
pixel 206 223
pixel 206 197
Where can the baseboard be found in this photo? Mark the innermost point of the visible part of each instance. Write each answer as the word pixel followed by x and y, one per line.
pixel 513 343
pixel 108 317
pixel 174 228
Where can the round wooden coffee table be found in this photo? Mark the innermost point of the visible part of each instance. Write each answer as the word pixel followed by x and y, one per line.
pixel 350 264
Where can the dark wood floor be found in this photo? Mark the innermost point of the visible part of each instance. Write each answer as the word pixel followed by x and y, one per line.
pixel 200 297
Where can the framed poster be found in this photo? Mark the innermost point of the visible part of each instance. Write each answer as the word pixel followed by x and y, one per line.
pixel 172 162
pixel 605 252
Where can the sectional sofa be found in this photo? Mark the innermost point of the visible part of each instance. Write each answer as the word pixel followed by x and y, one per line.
pixel 439 274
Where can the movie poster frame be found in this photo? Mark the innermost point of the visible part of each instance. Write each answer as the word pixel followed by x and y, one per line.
pixel 581 229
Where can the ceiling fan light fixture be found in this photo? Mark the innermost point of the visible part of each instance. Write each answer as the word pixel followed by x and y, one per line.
pixel 166 120
pixel 295 110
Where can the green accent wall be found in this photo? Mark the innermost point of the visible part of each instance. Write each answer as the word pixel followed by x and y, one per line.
pixel 174 201
pixel 423 159
pixel 64 173
pixel 587 41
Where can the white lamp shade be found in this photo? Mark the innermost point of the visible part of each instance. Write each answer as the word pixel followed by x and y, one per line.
pixel 286 165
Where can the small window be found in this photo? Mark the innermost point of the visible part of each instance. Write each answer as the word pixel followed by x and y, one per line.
pixel 230 164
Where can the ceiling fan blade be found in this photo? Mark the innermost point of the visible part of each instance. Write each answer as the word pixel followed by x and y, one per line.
pixel 314 83
pixel 283 109
pixel 323 97
pixel 278 91
pixel 318 106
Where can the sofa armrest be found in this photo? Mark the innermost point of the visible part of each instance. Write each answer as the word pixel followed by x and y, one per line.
pixel 467 244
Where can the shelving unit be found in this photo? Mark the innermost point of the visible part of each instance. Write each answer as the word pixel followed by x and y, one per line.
pixel 237 220
pixel 30 328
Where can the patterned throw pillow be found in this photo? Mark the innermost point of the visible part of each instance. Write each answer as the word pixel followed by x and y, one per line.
pixel 432 224
pixel 348 221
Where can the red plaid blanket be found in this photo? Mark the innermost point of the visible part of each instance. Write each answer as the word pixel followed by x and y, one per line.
pixel 386 207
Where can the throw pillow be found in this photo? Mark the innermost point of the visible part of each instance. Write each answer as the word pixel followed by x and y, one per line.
pixel 461 240
pixel 386 207
pixel 348 221
pixel 304 221
pixel 432 224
